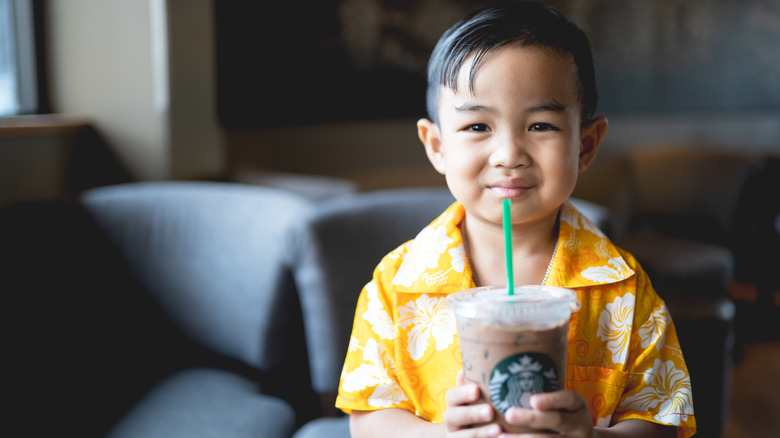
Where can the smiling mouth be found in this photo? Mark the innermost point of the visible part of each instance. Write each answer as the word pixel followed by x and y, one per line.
pixel 510 189
pixel 509 192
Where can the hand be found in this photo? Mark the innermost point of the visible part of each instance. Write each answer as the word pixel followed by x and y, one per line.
pixel 462 419
pixel 564 412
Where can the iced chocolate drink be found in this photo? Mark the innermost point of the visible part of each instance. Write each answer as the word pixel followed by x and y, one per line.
pixel 513 346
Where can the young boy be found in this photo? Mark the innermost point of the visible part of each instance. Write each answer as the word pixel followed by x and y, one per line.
pixel 511 101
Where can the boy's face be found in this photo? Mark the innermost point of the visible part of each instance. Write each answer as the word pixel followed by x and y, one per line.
pixel 516 136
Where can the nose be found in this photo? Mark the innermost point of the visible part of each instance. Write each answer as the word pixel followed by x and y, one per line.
pixel 509 151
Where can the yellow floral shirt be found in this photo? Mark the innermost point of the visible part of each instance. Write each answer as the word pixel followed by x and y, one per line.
pixel 623 354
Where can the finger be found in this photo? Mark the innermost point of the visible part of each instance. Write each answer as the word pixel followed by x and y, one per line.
pixel 487 431
pixel 470 415
pixel 552 420
pixel 559 421
pixel 462 394
pixel 540 434
pixel 558 400
pixel 460 378
pixel 462 417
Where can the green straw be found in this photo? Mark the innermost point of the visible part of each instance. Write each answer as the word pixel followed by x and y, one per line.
pixel 510 278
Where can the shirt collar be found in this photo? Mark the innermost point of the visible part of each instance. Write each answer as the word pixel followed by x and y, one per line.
pixel 436 260
pixel 585 256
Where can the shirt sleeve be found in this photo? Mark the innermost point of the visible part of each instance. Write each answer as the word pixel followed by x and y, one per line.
pixel 659 385
pixel 368 379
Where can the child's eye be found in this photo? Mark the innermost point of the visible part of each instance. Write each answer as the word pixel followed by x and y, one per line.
pixel 542 127
pixel 478 127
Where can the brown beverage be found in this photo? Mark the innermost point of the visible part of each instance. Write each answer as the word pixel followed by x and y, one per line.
pixel 513 346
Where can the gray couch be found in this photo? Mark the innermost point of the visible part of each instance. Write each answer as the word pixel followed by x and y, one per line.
pixel 155 310
pixel 198 309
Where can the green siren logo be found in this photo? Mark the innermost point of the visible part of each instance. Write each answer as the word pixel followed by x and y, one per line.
pixel 516 378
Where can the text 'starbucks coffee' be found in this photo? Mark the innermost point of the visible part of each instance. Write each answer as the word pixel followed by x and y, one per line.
pixel 514 346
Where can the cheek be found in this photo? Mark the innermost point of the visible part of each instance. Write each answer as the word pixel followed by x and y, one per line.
pixel 566 167
pixel 462 175
pixel 464 164
pixel 570 168
pixel 571 154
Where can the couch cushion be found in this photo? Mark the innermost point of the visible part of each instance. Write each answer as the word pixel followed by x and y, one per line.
pixel 211 256
pixel 326 427
pixel 205 402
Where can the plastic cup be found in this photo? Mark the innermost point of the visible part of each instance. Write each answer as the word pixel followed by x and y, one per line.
pixel 513 346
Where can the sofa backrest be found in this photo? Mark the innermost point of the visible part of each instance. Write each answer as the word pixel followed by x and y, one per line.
pixel 336 251
pixel 210 255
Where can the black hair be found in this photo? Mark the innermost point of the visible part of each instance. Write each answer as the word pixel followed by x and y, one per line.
pixel 525 23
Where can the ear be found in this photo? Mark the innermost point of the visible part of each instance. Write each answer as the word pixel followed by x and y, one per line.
pixel 592 135
pixel 430 136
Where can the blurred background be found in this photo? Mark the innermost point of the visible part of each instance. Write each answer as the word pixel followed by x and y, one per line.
pixel 99 92
pixel 202 89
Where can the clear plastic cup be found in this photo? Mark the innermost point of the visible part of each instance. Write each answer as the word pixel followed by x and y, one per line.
pixel 513 346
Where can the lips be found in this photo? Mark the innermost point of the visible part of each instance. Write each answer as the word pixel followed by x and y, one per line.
pixel 510 187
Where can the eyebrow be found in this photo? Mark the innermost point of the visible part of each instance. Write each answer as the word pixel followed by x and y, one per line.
pixel 552 106
pixel 472 107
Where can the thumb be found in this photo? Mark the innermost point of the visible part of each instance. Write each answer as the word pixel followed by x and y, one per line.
pixel 460 378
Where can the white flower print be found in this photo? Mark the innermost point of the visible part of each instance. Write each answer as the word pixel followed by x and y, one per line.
pixel 429 317
pixel 615 324
pixel 376 315
pixel 579 221
pixel 440 277
pixel 601 248
pixel 353 344
pixel 653 331
pixel 372 373
pixel 590 226
pixel 668 387
pixel 458 255
pixel 569 215
pixel 424 253
pixel 606 274
pixel 385 396
pixel 375 373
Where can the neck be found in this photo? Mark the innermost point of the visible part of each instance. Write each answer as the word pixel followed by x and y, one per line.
pixel 532 251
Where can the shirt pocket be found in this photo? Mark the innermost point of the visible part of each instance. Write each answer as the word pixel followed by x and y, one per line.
pixel 601 388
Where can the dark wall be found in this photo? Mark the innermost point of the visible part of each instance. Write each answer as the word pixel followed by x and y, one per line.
pixel 670 55
pixel 348 60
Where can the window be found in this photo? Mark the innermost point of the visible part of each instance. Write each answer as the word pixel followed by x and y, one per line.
pixel 18 72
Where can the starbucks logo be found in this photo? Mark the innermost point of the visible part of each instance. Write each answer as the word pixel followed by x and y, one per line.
pixel 516 378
